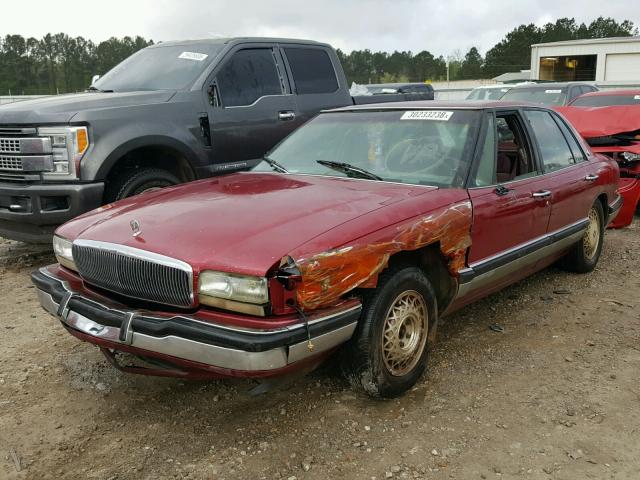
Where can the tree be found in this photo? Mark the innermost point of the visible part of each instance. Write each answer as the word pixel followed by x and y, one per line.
pixel 472 64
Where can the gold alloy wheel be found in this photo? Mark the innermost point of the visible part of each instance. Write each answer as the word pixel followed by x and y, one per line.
pixel 405 333
pixel 591 239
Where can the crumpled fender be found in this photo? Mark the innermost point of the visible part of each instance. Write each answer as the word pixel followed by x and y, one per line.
pixel 328 275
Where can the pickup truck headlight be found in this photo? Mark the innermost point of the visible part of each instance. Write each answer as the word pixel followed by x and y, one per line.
pixel 233 292
pixel 63 251
pixel 68 146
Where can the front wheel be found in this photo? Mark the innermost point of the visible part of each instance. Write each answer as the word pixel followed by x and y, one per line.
pixel 584 255
pixel 144 180
pixel 388 353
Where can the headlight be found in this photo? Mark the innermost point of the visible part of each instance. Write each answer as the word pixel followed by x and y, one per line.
pixel 68 146
pixel 63 251
pixel 233 292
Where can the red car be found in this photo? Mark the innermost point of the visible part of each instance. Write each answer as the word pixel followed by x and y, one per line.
pixel 609 120
pixel 360 230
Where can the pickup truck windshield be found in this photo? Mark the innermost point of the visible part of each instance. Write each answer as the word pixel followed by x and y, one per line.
pixel 173 67
pixel 423 147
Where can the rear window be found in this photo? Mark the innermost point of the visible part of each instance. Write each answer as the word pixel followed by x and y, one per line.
pixel 606 100
pixel 312 70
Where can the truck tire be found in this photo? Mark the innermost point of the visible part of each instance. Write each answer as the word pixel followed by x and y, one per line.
pixel 388 352
pixel 129 184
pixel 584 255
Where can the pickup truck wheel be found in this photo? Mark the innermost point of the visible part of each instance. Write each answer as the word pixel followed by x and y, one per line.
pixel 139 182
pixel 585 254
pixel 388 352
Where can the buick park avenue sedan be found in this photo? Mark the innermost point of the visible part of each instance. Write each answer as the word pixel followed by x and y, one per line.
pixel 357 233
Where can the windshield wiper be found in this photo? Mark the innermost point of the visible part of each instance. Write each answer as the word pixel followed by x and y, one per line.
pixel 95 89
pixel 348 168
pixel 275 165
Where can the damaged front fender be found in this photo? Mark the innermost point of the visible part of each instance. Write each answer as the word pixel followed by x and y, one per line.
pixel 327 276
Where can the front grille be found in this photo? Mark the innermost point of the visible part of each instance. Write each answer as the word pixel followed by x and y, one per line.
pixel 10 163
pixel 126 271
pixel 9 145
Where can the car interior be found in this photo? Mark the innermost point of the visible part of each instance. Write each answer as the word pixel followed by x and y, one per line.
pixel 514 159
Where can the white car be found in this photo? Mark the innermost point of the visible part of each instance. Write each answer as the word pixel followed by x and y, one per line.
pixel 488 92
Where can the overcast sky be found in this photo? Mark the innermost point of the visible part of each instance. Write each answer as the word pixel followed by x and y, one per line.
pixel 442 27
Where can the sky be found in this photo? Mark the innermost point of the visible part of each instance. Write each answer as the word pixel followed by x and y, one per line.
pixel 442 27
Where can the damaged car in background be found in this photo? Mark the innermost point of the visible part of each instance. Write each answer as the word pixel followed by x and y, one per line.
pixel 356 234
pixel 610 123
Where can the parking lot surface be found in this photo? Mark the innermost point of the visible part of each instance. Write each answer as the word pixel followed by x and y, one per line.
pixel 550 392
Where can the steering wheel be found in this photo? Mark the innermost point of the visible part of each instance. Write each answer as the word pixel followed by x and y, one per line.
pixel 413 155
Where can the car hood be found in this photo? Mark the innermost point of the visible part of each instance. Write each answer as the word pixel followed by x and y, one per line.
pixel 244 222
pixel 62 108
pixel 593 122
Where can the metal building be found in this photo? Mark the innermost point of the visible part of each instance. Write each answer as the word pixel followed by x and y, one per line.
pixel 601 59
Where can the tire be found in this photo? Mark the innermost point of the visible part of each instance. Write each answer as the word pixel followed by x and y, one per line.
pixel 134 183
pixel 372 367
pixel 584 255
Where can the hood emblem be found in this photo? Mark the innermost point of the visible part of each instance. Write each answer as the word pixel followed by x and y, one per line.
pixel 135 227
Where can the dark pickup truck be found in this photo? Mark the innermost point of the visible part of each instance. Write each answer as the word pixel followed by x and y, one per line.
pixel 171 113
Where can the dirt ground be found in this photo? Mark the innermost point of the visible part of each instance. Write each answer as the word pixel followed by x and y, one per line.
pixel 554 396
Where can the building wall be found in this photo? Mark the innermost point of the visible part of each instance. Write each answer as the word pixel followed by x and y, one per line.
pixel 602 50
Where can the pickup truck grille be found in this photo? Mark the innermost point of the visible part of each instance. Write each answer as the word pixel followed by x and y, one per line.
pixel 134 273
pixel 10 163
pixel 9 145
pixel 20 153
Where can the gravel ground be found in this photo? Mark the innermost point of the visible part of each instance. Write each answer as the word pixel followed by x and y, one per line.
pixel 554 396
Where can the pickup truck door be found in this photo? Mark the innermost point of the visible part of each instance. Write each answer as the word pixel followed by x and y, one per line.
pixel 511 208
pixel 251 107
pixel 316 79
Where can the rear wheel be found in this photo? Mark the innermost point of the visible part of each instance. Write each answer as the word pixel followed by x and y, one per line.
pixel 388 353
pixel 585 254
pixel 140 181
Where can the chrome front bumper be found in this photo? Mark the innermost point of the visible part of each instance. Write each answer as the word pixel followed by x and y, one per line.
pixel 187 338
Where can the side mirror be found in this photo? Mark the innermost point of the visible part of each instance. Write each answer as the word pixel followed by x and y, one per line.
pixel 94 79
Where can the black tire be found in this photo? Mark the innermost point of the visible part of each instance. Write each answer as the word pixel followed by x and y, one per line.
pixel 364 361
pixel 137 182
pixel 583 256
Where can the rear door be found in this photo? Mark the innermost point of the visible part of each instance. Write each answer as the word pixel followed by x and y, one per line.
pixel 251 106
pixel 316 78
pixel 511 204
pixel 567 174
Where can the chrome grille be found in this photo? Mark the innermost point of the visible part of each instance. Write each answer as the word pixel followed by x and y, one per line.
pixel 9 145
pixel 10 163
pixel 134 273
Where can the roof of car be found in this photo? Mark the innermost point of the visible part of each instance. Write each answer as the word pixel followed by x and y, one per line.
pixel 604 93
pixel 392 85
pixel 548 85
pixel 436 105
pixel 233 40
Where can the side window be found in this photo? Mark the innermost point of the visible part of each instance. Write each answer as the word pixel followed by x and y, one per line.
pixel 486 174
pixel 514 158
pixel 247 76
pixel 312 70
pixel 553 146
pixel 578 156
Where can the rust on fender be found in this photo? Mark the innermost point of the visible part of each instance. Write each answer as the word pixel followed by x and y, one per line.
pixel 329 275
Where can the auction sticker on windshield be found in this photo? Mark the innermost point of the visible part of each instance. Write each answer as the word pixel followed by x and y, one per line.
pixel 553 91
pixel 441 115
pixel 198 57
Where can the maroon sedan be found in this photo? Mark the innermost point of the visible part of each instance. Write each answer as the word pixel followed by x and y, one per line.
pixel 360 230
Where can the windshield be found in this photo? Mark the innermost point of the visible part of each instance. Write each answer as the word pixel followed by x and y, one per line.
pixel 423 147
pixel 606 100
pixel 543 95
pixel 487 93
pixel 159 68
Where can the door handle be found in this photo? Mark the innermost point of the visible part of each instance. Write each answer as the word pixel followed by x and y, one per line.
pixel 591 177
pixel 287 115
pixel 542 194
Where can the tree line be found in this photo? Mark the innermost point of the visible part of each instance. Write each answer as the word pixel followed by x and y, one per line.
pixel 58 63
